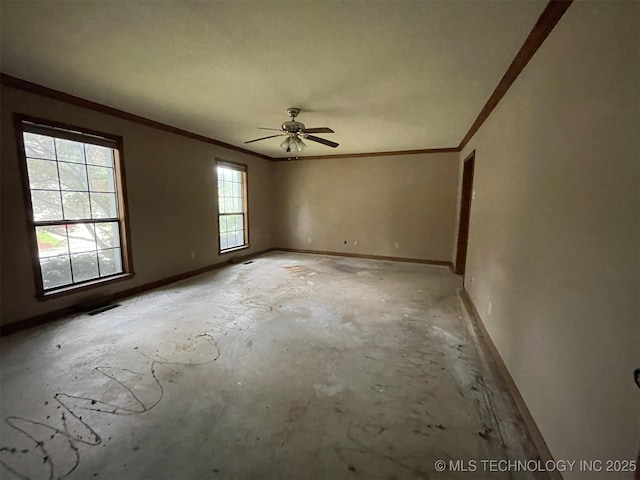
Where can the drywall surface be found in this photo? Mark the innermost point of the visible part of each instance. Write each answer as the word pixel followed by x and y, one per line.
pixel 553 248
pixel 398 206
pixel 171 189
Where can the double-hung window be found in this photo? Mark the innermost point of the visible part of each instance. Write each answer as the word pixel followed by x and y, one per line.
pixel 75 192
pixel 232 206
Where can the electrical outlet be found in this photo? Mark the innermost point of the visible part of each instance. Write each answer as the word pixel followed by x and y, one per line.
pixel 397 245
pixel 193 255
pixel 355 243
pixel 489 309
pixel 473 280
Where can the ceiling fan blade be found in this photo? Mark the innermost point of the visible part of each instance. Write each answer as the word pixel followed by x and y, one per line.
pixel 264 138
pixel 318 130
pixel 274 129
pixel 324 141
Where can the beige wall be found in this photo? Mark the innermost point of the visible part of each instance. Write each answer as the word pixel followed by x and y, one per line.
pixel 376 201
pixel 172 203
pixel 554 237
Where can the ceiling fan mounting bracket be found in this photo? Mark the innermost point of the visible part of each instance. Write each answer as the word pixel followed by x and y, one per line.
pixel 293 112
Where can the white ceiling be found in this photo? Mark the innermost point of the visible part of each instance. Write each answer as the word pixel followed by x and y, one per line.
pixel 385 75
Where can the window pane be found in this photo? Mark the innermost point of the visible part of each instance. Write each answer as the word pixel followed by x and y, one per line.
pixel 228 205
pixel 46 205
pixel 240 225
pixel 103 205
pixel 76 205
pixel 85 266
pixel 227 190
pixel 69 151
pixel 237 189
pixel 52 240
pixel 223 241
pixel 39 146
pixel 237 204
pixel 97 155
pixel 42 174
pixel 232 239
pixel 110 261
pixel 226 174
pixel 237 242
pixel 107 234
pixel 56 271
pixel 236 176
pixel 231 223
pixel 81 238
pixel 101 179
pixel 73 176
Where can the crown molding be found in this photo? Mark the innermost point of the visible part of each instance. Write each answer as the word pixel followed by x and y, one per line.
pixel 370 154
pixel 41 90
pixel 548 19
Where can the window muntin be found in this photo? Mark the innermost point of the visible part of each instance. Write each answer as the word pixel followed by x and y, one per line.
pixel 76 204
pixel 232 206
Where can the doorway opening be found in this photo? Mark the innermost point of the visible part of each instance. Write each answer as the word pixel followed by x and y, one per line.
pixel 465 213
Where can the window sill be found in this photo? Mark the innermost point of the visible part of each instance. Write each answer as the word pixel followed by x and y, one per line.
pixel 235 249
pixel 70 290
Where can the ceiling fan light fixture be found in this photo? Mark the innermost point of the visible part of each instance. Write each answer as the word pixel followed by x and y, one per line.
pixel 301 145
pixel 285 145
pixel 293 144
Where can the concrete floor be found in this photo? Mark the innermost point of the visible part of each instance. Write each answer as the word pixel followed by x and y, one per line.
pixel 291 366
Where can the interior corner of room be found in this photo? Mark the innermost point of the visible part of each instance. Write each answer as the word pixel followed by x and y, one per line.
pixel 520 211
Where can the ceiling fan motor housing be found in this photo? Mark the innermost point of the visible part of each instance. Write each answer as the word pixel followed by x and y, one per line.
pixel 293 127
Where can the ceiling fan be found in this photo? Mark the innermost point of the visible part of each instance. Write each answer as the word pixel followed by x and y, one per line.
pixel 293 130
